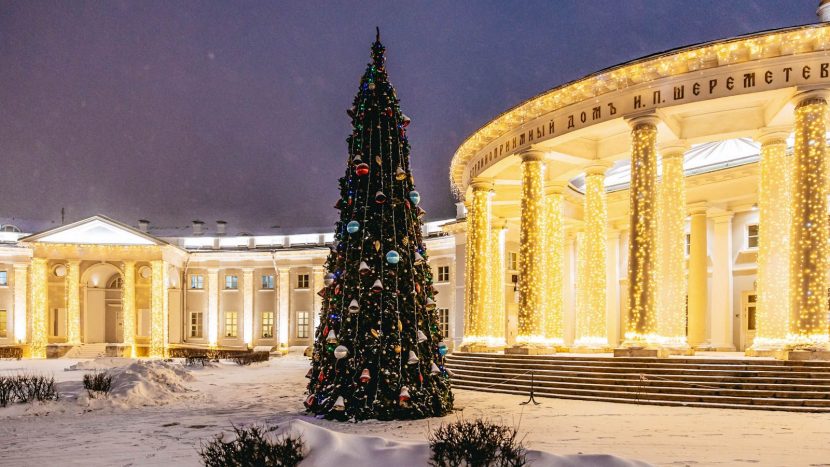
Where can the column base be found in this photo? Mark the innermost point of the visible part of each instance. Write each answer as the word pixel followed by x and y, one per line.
pixel 529 350
pixel 479 348
pixel 578 349
pixel 641 352
pixel 803 355
pixel 750 352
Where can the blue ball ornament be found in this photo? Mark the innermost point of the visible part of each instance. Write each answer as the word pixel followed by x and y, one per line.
pixel 393 257
pixel 442 349
pixel 353 227
pixel 415 197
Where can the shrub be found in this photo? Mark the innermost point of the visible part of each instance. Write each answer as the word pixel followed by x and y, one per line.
pixel 99 382
pixel 247 359
pixel 28 388
pixel 252 447
pixel 6 394
pixel 11 352
pixel 478 443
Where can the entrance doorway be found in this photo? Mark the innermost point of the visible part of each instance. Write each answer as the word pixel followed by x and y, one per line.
pixel 102 319
pixel 749 305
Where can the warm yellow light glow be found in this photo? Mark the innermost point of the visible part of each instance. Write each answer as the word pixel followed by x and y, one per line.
pixel 531 243
pixel 642 252
pixel 128 306
pixel 591 315
pixel 40 308
pixel 283 274
pixel 213 306
pixel 248 305
pixel 773 307
pixel 73 302
pixel 157 315
pixel 478 244
pixel 495 296
pixel 554 261
pixel 808 325
pixel 671 250
pixel 21 293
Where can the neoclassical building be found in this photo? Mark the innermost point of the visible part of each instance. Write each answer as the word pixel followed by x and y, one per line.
pixel 671 203
pixel 98 286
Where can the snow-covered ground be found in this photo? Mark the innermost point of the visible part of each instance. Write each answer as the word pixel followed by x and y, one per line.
pixel 158 413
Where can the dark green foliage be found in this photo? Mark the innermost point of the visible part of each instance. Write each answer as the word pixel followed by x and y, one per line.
pixel 378 193
pixel 98 383
pixel 253 447
pixel 477 443
pixel 11 352
pixel 253 357
pixel 27 388
pixel 210 354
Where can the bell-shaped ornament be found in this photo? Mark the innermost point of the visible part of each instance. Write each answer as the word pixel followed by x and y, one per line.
pixel 433 369
pixel 365 376
pixel 421 336
pixel 419 259
pixel 380 198
pixel 354 306
pixel 413 359
pixel 339 404
pixel 430 304
pixel 364 268
pixel 309 402
pixel 377 287
pixel 331 338
pixel 404 396
pixel 405 120
pixel 400 174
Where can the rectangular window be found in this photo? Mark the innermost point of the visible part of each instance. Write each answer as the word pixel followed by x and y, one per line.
pixel 196 324
pixel 443 273
pixel 230 324
pixel 197 281
pixel 750 311
pixel 752 236
pixel 4 278
pixel 3 324
pixel 513 261
pixel 302 325
pixel 268 281
pixel 267 324
pixel 688 244
pixel 302 281
pixel 231 282
pixel 444 321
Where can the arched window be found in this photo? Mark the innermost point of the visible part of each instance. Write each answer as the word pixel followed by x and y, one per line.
pixel 116 282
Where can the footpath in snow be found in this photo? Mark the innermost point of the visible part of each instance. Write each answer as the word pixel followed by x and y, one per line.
pixel 159 412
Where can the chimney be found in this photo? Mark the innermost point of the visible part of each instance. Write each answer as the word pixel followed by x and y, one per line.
pixel 220 227
pixel 197 227
pixel 143 225
pixel 823 11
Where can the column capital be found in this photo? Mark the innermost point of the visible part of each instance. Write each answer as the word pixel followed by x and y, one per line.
pixel 213 270
pixel 284 269
pixel 481 184
pixel 649 118
pixel 721 216
pixel 247 270
pixel 675 148
pixel 20 266
pixel 557 187
pixel 598 167
pixel 809 95
pixel 531 154
pixel 698 208
pixel 773 134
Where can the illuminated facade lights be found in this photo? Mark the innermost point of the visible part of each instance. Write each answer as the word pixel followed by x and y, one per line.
pixel 128 306
pixel 808 325
pixel 591 315
pixel 495 318
pixel 158 311
pixel 773 307
pixel 248 305
pixel 73 302
pixel 213 306
pixel 40 308
pixel 531 244
pixel 642 243
pixel 554 262
pixel 478 244
pixel 20 296
pixel 671 250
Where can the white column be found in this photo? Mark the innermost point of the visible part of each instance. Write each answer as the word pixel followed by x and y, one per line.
pixel 20 294
pixel 613 288
pixel 213 306
pixel 720 313
pixel 283 304
pixel 248 306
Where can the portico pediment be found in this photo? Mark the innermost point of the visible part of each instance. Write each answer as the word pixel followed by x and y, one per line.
pixel 96 230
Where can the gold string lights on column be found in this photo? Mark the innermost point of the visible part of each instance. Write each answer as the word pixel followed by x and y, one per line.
pixel 554 261
pixel 809 233
pixel 495 287
pixel 128 306
pixel 73 302
pixel 773 307
pixel 478 244
pixel 40 307
pixel 671 250
pixel 591 316
pixel 157 311
pixel 642 242
pixel 531 243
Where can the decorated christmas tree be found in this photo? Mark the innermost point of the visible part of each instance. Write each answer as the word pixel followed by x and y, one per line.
pixel 378 352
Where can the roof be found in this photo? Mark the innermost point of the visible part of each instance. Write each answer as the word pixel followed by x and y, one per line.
pixel 98 230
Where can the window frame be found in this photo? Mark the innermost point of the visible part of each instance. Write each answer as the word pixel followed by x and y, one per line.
pixel 266 284
pixel 303 281
pixel 4 323
pixel 749 237
pixel 513 261
pixel 4 278
pixel 303 324
pixel 443 273
pixel 231 282
pixel 197 326
pixel 232 324
pixel 262 325
pixel 444 322
pixel 197 280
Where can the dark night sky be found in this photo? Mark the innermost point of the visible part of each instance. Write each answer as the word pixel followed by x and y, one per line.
pixel 181 110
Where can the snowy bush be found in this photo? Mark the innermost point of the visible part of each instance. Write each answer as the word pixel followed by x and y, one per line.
pixel 6 393
pixel 11 352
pixel 478 443
pixel 248 358
pixel 253 447
pixel 28 388
pixel 99 382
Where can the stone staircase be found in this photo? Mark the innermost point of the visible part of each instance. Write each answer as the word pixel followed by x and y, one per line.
pixel 764 384
pixel 87 351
